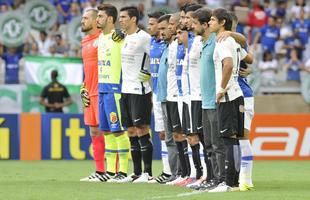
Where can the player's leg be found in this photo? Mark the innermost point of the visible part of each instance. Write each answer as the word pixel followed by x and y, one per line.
pixel 159 127
pixel 141 114
pixel 181 142
pixel 195 122
pixel 118 135
pixel 171 146
pixel 231 127
pixel 97 138
pixel 135 149
pixel 245 177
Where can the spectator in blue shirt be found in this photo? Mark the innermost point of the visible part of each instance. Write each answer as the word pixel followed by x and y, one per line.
pixel 301 27
pixel 268 35
pixel 11 59
pixel 293 67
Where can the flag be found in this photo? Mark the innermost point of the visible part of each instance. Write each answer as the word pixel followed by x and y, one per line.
pixel 38 72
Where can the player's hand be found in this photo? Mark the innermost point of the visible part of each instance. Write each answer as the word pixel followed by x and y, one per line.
pixel 222 36
pixel 84 96
pixel 244 72
pixel 162 135
pixel 218 97
pixel 118 35
pixel 144 75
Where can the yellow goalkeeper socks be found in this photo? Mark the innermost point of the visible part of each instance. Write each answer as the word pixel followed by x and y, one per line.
pixel 110 152
pixel 123 146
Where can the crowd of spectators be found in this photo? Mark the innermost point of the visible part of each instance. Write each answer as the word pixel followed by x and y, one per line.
pixel 277 32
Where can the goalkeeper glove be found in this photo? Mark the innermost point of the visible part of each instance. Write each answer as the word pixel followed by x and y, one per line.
pixel 144 75
pixel 84 96
pixel 118 35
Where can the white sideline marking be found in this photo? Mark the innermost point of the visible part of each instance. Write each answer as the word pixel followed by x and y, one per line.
pixel 177 195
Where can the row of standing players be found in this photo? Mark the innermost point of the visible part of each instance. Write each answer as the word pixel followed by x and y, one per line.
pixel 195 64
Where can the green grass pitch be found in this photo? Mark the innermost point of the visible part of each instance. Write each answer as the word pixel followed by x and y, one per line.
pixel 53 180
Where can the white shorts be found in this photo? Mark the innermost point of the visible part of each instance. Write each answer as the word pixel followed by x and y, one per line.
pixel 158 115
pixel 248 112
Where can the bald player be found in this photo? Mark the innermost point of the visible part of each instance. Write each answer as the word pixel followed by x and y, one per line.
pixel 89 92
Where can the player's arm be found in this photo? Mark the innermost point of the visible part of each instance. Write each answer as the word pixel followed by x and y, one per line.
pixel 144 74
pixel 227 64
pixel 67 99
pixel 43 100
pixel 44 103
pixel 225 56
pixel 239 38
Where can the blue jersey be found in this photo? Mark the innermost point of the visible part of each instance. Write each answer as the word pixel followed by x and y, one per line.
pixel 269 37
pixel 179 67
pixel 243 83
pixel 11 67
pixel 302 29
pixel 191 37
pixel 157 49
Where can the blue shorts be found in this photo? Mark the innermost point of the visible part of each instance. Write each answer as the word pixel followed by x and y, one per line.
pixel 109 112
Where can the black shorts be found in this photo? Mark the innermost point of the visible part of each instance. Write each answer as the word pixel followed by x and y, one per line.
pixel 136 109
pixel 192 117
pixel 231 118
pixel 173 118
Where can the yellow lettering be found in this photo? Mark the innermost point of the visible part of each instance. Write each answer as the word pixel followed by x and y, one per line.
pixel 4 141
pixel 56 139
pixel 74 132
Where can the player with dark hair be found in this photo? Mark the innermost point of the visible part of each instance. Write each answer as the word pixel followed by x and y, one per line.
pixel 109 79
pixel 136 99
pixel 229 97
pixel 157 47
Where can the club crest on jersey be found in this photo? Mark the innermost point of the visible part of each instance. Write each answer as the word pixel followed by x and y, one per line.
pixel 113 117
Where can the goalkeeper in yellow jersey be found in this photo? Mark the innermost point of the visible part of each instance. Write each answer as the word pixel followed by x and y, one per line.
pixel 109 87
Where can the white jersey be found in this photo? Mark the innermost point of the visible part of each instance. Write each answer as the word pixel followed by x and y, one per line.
pixel 228 48
pixel 194 69
pixel 172 88
pixel 185 79
pixel 135 56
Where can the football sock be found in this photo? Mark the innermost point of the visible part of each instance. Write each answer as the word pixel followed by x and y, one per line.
pixel 232 161
pixel 208 161
pixel 164 158
pixel 246 162
pixel 184 159
pixel 98 152
pixel 135 155
pixel 187 162
pixel 123 146
pixel 196 160
pixel 110 152
pixel 147 152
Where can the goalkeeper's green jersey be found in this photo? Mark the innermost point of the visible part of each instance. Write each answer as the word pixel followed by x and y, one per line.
pixel 109 64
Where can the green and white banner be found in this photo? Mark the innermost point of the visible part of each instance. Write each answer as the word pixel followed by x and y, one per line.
pixel 14 28
pixel 38 72
pixel 41 14
pixel 17 99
